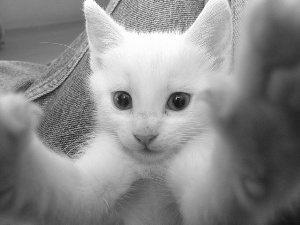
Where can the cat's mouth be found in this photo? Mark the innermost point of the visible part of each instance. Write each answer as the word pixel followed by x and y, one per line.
pixel 146 154
pixel 147 150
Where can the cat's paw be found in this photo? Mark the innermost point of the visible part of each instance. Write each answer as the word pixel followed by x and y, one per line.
pixel 259 121
pixel 17 115
pixel 18 119
pixel 108 170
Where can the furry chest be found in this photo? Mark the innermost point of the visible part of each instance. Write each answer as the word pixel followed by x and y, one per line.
pixel 150 203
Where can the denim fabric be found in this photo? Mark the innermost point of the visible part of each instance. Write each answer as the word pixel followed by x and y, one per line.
pixel 18 76
pixel 61 87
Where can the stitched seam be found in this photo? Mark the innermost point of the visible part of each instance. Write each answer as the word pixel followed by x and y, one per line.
pixel 56 79
pixel 112 6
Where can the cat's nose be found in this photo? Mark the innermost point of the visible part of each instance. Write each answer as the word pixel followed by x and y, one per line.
pixel 145 140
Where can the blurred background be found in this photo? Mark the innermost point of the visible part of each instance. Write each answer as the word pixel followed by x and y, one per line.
pixel 39 30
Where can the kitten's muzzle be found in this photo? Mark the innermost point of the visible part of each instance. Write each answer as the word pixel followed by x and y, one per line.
pixel 145 139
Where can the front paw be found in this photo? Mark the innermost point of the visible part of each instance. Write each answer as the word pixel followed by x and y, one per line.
pixel 259 120
pixel 107 170
pixel 18 119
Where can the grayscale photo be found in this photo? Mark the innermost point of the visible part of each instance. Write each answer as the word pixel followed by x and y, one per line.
pixel 150 112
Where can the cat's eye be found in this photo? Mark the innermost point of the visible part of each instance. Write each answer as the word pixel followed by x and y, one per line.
pixel 178 101
pixel 122 100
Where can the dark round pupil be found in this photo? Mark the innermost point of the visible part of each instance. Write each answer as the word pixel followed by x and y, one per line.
pixel 179 101
pixel 123 100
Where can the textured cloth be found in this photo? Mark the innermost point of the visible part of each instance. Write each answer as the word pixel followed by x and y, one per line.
pixel 61 88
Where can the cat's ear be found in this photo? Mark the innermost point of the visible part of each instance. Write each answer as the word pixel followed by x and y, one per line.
pixel 213 29
pixel 102 31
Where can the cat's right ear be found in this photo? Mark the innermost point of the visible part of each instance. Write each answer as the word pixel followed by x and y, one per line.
pixel 102 31
pixel 213 30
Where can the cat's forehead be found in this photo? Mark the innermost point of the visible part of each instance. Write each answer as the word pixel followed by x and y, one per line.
pixel 158 60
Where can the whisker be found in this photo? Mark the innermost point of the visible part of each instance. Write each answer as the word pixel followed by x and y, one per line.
pixel 45 42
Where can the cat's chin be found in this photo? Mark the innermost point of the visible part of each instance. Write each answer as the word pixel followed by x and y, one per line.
pixel 148 156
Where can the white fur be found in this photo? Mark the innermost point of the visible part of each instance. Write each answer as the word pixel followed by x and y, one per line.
pixel 114 181
pixel 150 67
pixel 198 172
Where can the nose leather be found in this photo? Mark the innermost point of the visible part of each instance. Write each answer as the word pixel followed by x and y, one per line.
pixel 145 140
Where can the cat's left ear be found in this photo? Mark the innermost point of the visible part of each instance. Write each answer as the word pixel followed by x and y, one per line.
pixel 102 31
pixel 213 30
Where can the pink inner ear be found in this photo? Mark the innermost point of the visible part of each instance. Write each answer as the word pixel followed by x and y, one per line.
pixel 102 31
pixel 213 28
pixel 220 40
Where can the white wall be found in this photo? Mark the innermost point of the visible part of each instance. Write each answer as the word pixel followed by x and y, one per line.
pixel 27 13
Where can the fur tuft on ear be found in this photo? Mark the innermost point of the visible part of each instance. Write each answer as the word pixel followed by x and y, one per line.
pixel 213 30
pixel 102 31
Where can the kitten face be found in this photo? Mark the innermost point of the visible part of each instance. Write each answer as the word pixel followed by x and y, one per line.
pixel 151 75
pixel 150 69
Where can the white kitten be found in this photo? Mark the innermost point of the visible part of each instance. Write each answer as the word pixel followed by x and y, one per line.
pixel 175 144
